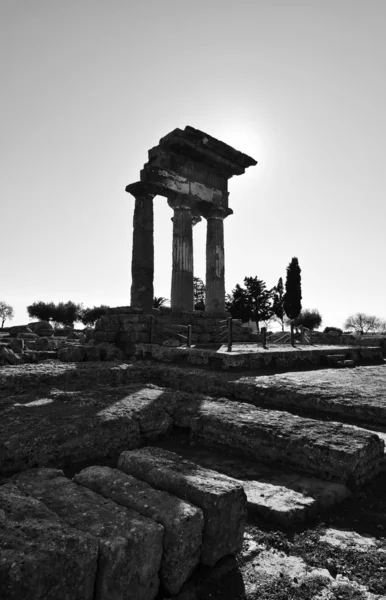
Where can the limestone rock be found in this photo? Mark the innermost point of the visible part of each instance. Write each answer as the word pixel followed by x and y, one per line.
pixel 8 357
pixel 42 328
pixel 41 556
pixel 182 521
pixel 130 546
pixel 222 499
pixel 328 450
pixel 45 344
pixel 72 354
pixel 16 329
pixel 49 432
pixel 92 352
pixel 73 335
pixel 17 345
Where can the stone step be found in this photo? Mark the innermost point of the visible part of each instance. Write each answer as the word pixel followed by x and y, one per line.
pixel 41 556
pixel 130 545
pixel 335 357
pixel 356 395
pixel 284 497
pixel 183 522
pixel 221 498
pixel 328 450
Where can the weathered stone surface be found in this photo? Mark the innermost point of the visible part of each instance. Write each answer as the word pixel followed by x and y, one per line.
pixel 16 344
pixel 41 556
pixel 72 354
pixel 42 328
pixel 284 497
pixel 130 545
pixel 9 357
pixel 328 450
pixel 182 521
pixel 16 329
pixel 52 431
pixel 221 499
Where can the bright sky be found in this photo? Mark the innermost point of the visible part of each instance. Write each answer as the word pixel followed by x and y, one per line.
pixel 88 86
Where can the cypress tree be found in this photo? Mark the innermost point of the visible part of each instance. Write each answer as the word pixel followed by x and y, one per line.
pixel 292 301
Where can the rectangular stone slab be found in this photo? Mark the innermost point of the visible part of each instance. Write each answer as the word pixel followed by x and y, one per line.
pixel 328 450
pixel 130 545
pixel 222 499
pixel 41 556
pixel 182 521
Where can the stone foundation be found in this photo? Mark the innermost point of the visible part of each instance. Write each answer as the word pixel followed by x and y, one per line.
pixel 126 327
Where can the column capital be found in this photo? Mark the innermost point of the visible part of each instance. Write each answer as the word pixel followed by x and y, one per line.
pixel 183 202
pixel 139 189
pixel 215 212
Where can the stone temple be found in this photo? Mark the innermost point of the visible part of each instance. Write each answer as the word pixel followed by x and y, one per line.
pixel 192 169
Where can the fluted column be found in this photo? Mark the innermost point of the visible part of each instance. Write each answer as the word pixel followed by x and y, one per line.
pixel 215 263
pixel 142 263
pixel 182 268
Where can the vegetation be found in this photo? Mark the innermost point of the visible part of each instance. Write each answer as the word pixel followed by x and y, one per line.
pixel 254 301
pixel 64 313
pixel 308 317
pixel 6 312
pixel 198 293
pixel 292 301
pixel 91 315
pixel 363 323
pixel 44 311
pixel 159 301
pixel 278 302
pixel 333 330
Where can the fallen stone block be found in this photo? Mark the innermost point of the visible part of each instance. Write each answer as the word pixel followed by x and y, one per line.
pixel 328 450
pixel 9 357
pixel 182 521
pixel 222 499
pixel 41 556
pixel 130 545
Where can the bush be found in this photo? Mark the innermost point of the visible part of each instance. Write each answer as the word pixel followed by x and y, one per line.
pixel 91 315
pixel 336 330
pixel 308 317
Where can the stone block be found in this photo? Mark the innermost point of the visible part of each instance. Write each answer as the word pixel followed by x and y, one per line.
pixel 130 545
pixel 127 319
pixel 66 435
pixel 140 327
pixel 123 310
pixel 46 355
pixel 71 354
pixel 41 556
pixel 183 522
pixel 17 345
pixel 111 336
pixel 142 337
pixel 92 353
pixel 222 500
pixel 9 357
pixel 328 450
pixel 100 336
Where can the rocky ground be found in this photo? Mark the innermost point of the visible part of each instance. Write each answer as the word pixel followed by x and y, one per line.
pixel 336 552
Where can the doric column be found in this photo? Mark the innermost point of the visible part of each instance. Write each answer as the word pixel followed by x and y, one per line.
pixel 182 268
pixel 142 263
pixel 215 265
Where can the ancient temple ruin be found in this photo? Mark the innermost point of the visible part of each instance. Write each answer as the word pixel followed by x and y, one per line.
pixel 191 169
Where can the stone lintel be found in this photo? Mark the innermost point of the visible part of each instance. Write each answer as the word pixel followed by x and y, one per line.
pixel 170 183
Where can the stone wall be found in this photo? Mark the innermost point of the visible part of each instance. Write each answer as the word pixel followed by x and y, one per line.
pixel 125 326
